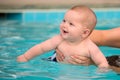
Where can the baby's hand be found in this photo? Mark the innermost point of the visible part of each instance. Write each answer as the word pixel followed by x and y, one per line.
pixel 21 58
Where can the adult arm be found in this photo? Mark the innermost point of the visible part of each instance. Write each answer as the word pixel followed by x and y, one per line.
pixel 109 37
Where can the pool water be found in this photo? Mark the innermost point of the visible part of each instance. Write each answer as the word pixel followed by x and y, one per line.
pixel 17 37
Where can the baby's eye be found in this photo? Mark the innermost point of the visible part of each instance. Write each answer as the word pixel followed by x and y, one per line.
pixel 71 24
pixel 64 20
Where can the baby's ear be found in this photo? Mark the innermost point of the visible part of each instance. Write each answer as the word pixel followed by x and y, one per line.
pixel 86 32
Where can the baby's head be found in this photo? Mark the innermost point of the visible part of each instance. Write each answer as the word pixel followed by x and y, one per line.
pixel 78 23
pixel 88 17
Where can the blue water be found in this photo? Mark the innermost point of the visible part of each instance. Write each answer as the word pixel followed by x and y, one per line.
pixel 17 37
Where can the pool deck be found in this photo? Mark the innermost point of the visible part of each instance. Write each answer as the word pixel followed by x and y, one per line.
pixel 9 6
pixel 55 4
pixel 50 10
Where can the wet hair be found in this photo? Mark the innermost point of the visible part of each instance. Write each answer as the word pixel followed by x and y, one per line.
pixel 90 19
pixel 114 60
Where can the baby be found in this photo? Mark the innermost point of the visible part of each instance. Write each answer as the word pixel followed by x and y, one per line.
pixel 77 25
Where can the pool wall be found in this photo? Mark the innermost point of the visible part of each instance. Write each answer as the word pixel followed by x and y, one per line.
pixel 53 15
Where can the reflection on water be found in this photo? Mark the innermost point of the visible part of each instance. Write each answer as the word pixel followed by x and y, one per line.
pixel 16 38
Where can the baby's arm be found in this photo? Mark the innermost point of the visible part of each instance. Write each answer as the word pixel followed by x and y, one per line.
pixel 40 48
pixel 97 56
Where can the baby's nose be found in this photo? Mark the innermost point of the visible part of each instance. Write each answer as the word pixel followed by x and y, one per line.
pixel 65 25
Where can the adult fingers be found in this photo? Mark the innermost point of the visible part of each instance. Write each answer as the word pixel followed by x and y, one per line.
pixel 59 56
pixel 80 60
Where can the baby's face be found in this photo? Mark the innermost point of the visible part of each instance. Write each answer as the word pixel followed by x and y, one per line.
pixel 71 26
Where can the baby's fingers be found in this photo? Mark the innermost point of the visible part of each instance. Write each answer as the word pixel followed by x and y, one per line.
pixel 21 58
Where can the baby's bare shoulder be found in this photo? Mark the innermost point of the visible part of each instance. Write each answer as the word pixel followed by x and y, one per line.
pixel 56 39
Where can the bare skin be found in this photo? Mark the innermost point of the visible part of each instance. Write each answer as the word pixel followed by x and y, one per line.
pixel 77 25
pixel 106 38
pixel 116 69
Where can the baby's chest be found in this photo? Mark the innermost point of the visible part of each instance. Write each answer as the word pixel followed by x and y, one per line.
pixel 74 50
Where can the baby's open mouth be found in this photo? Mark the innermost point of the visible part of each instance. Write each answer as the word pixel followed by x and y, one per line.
pixel 65 31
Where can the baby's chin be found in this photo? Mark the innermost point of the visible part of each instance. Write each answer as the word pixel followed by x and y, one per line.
pixel 64 36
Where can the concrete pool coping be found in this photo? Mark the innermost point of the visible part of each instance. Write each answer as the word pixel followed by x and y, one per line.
pixel 51 10
pixel 50 4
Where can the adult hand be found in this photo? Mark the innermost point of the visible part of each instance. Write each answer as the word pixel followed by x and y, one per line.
pixel 80 60
pixel 60 57
pixel 75 59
